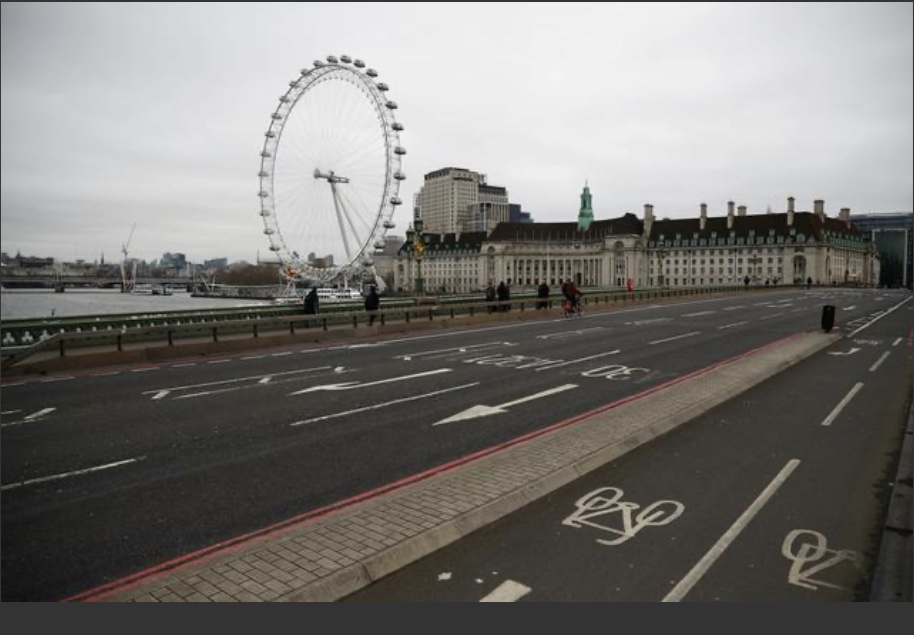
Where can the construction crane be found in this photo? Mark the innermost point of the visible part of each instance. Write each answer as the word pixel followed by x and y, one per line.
pixel 127 280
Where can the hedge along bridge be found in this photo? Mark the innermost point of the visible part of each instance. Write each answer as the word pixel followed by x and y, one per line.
pixel 58 337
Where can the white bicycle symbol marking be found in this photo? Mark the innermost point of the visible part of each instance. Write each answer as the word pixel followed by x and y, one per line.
pixel 811 549
pixel 594 505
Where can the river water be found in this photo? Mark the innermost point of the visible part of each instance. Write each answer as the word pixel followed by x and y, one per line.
pixel 43 303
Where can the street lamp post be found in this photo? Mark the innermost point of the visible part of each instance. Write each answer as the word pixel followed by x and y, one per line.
pixel 417 249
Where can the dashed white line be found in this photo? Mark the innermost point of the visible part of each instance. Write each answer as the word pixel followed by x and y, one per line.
pixel 40 413
pixel 698 313
pixel 897 342
pixel 219 361
pixel 847 398
pixel 383 405
pixel 247 357
pixel 670 339
pixel 145 369
pixel 768 317
pixel 55 477
pixel 187 365
pixel 693 576
pixel 108 374
pixel 282 354
pixel 879 361
pixel 50 380
pixel 727 326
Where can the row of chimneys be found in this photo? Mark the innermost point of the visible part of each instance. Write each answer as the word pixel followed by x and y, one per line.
pixel 818 210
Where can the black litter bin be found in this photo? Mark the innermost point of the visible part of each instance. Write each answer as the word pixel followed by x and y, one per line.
pixel 828 317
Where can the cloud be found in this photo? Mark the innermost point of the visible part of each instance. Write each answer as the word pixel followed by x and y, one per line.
pixel 155 113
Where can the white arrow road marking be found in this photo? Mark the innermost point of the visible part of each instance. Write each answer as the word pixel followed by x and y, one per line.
pixel 507 591
pixel 28 418
pixel 850 352
pixel 385 404
pixel 162 392
pixel 55 477
pixel 355 384
pixel 847 398
pixel 483 411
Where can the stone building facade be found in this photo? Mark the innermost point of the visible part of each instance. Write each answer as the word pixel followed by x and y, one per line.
pixel 706 251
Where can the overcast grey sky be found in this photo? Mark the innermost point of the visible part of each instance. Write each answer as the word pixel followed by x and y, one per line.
pixel 155 113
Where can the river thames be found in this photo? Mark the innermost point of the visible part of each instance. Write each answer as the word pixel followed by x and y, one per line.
pixel 44 303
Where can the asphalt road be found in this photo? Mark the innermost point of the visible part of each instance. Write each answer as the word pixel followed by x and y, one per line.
pixel 776 496
pixel 107 472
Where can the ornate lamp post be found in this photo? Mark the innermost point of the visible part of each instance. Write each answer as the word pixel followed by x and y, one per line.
pixel 417 249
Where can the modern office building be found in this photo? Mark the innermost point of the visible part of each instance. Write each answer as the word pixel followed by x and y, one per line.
pixel 893 235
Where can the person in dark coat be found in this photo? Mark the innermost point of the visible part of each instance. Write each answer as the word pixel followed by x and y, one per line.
pixel 542 293
pixel 504 294
pixel 372 304
pixel 312 302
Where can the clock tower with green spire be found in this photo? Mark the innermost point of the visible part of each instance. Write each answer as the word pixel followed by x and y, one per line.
pixel 585 216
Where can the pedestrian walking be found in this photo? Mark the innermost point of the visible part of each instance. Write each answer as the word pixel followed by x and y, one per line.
pixel 312 302
pixel 372 304
pixel 504 294
pixel 542 294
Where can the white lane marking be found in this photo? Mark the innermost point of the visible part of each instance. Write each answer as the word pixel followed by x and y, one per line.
pixel 850 308
pixel 145 369
pixel 898 341
pixel 484 411
pixel 40 413
pixel 249 357
pixel 55 477
pixel 27 419
pixel 454 349
pixel 349 385
pixel 727 326
pixel 677 337
pixel 51 380
pixel 733 308
pixel 773 315
pixel 564 334
pixel 834 413
pixel 693 576
pixel 219 361
pixel 507 591
pixel 235 381
pixel 578 361
pixel 282 354
pixel 874 320
pixel 265 380
pixel 697 314
pixel 10 412
pixel 385 404
pixel 851 351
pixel 108 374
pixel 879 361
pixel 161 394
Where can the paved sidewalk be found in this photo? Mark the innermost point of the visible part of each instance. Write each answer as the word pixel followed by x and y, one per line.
pixel 326 556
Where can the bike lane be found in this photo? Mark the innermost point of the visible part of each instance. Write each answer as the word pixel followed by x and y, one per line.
pixel 777 495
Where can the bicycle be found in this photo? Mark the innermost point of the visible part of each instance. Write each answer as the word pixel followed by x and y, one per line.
pixel 570 308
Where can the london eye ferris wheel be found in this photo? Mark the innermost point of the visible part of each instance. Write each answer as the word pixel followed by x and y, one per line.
pixel 330 172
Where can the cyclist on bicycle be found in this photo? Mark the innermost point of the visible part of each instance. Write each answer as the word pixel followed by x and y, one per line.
pixel 572 294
